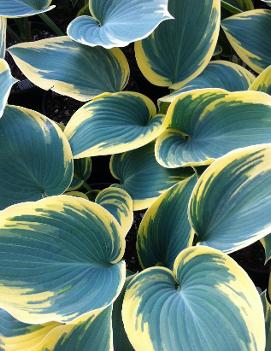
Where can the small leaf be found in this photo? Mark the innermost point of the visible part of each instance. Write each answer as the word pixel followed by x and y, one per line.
pixel 6 83
pixel 263 81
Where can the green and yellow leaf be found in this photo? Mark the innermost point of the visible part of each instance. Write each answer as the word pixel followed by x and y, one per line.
pixel 35 157
pixel 165 229
pixel 24 8
pixel 113 123
pixel 229 207
pixel 187 309
pixel 266 243
pixel 120 204
pixel 178 51
pixel 263 81
pixel 205 124
pixel 6 83
pixel 267 313
pixel 61 258
pixel 248 34
pixel 71 69
pixel 82 171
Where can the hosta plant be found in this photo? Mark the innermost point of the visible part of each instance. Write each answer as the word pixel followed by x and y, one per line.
pixel 196 163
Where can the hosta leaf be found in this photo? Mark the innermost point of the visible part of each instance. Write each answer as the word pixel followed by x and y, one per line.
pixel 142 177
pixel 77 194
pixel 229 207
pixel 178 51
pixel 18 336
pixel 206 124
pixel 35 157
pixel 267 2
pixel 266 242
pixel 60 259
pixel 263 81
pixel 120 204
pixel 6 83
pixel 117 23
pixel 267 313
pixel 71 69
pixel 82 171
pixel 24 8
pixel 218 74
pixel 93 332
pixel 207 303
pixel 165 230
pixel 113 123
pixel 3 33
pixel 249 34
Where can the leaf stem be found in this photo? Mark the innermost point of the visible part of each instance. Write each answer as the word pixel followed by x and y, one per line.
pixel 51 24
pixel 232 9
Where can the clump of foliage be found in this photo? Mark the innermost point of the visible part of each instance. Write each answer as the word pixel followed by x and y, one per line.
pixel 64 285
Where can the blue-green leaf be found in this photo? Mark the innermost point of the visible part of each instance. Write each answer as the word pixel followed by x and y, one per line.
pixel 165 230
pixel 113 123
pixel 142 177
pixel 266 242
pixel 35 157
pixel 120 204
pixel 229 207
pixel 82 171
pixel 71 69
pixel 24 8
pixel 61 258
pixel 208 303
pixel 263 81
pixel 205 124
pixel 6 83
pixel 178 51
pixel 218 74
pixel 249 33
pixel 117 23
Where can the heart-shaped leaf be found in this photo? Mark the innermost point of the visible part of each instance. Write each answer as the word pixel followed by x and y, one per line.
pixel 117 23
pixel 178 51
pixel 182 310
pixel 60 259
pixel 203 125
pixel 113 123
pixel 71 69
pixel 229 207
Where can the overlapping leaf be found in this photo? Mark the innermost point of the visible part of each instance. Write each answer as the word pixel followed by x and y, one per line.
pixel 117 23
pixel 23 8
pixel 179 50
pixel 82 171
pixel 203 125
pixel 120 204
pixel 229 207
pixel 243 5
pixel 3 33
pixel 60 259
pixel 165 230
pixel 207 303
pixel 263 81
pixel 71 69
pixel 35 157
pixel 6 83
pixel 92 332
pixel 218 74
pixel 142 177
pixel 113 123
pixel 249 34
